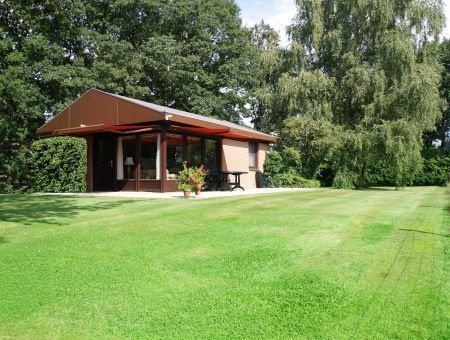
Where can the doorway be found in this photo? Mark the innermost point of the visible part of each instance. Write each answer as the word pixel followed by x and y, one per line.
pixel 104 162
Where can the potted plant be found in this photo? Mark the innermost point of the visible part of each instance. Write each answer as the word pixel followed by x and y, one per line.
pixel 198 178
pixel 185 182
pixel 186 188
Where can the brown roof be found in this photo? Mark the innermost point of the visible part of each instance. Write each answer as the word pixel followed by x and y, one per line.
pixel 95 110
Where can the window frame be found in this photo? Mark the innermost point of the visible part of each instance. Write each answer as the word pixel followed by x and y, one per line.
pixel 255 166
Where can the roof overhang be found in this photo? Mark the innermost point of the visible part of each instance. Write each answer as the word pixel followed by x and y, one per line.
pixel 131 129
pixel 100 112
pixel 102 128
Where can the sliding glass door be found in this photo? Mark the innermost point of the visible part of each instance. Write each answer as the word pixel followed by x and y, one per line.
pixel 150 157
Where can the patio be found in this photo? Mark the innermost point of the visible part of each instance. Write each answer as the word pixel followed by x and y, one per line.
pixel 179 195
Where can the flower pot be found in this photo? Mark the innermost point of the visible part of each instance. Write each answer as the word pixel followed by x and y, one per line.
pixel 187 193
pixel 198 188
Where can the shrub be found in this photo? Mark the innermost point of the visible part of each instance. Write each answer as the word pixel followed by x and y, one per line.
pixel 344 179
pixel 59 164
pixel 291 180
pixel 283 170
pixel 273 164
pixel 381 174
pixel 435 171
pixel 14 174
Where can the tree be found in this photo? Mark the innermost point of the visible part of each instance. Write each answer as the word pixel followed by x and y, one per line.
pixel 370 79
pixel 443 125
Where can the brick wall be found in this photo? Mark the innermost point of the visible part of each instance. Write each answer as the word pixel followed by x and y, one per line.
pixel 235 158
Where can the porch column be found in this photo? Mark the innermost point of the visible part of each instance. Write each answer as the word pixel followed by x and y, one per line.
pixel 90 164
pixel 163 153
pixel 138 161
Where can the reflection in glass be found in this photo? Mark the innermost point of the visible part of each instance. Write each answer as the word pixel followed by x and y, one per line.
pixel 129 157
pixel 149 157
pixel 174 155
pixel 194 151
pixel 211 155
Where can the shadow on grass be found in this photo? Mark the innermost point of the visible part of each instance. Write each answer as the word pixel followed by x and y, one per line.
pixel 56 210
pixel 3 240
pixel 425 232
pixel 379 189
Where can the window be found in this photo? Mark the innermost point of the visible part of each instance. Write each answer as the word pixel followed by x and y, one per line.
pixel 211 155
pixel 150 157
pixel 127 155
pixel 175 155
pixel 252 152
pixel 194 151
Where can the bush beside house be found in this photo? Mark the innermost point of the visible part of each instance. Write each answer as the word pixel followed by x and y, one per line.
pixel 59 165
pixel 283 170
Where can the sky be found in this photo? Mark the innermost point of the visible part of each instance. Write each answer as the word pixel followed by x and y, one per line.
pixel 279 13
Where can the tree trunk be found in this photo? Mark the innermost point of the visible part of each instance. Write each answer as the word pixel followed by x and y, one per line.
pixel 362 177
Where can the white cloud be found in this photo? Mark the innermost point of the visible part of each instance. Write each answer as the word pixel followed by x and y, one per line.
pixel 280 20
pixel 277 13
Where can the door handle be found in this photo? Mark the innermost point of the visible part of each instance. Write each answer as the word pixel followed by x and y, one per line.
pixel 111 163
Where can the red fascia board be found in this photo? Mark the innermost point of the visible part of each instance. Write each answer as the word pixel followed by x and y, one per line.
pixel 126 127
pixel 201 130
pixel 237 136
pixel 80 129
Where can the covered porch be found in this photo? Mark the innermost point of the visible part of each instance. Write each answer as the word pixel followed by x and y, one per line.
pixel 148 160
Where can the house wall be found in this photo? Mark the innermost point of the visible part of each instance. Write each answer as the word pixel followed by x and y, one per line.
pixel 235 158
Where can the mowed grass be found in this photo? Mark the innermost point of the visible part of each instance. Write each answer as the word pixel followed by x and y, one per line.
pixel 321 264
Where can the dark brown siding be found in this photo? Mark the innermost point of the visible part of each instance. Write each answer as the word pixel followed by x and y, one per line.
pixel 153 186
pixel 171 186
pixel 126 185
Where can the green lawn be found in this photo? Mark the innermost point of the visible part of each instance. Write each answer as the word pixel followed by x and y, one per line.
pixel 328 263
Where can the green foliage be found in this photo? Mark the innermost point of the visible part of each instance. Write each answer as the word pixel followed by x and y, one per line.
pixel 291 179
pixel 435 171
pixel 440 134
pixel 286 160
pixel 186 187
pixel 274 164
pixel 365 90
pixel 344 179
pixel 59 164
pixel 190 177
pixel 380 174
pixel 21 112
pixel 318 140
pixel 283 170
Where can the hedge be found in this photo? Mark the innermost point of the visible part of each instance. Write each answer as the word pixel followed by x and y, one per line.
pixel 59 164
pixel 291 180
pixel 435 171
